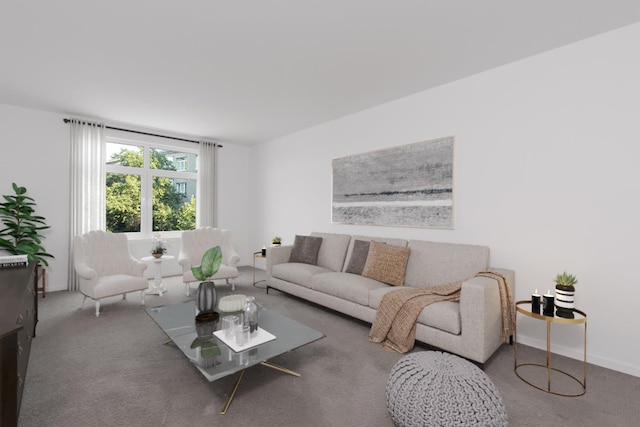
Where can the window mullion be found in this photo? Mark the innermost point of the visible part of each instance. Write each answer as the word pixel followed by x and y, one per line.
pixel 146 219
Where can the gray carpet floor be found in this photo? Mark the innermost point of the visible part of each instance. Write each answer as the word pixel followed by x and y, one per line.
pixel 113 370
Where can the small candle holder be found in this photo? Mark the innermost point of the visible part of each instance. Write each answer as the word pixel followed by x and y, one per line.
pixel 535 302
pixel 547 304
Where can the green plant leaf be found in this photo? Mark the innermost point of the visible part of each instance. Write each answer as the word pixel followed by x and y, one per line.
pixel 211 261
pixel 21 232
pixel 197 273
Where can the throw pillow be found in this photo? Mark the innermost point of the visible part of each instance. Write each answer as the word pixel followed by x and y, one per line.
pixel 305 249
pixel 358 257
pixel 386 263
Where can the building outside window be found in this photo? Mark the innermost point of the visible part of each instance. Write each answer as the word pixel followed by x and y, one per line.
pixel 149 188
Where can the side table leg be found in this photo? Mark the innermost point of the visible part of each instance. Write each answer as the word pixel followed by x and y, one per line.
pixel 584 376
pixel 515 343
pixel 158 278
pixel 548 356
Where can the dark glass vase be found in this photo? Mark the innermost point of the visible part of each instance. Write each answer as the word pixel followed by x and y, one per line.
pixel 207 297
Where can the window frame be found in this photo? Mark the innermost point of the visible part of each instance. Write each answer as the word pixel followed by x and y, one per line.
pixel 146 177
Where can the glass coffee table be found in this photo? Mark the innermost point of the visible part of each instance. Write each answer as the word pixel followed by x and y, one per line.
pixel 216 360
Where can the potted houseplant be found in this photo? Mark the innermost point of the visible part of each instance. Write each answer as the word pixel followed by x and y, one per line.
pixel 565 294
pixel 22 227
pixel 159 247
pixel 276 241
pixel 207 298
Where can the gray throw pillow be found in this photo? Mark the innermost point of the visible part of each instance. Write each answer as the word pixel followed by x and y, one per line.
pixel 305 249
pixel 358 257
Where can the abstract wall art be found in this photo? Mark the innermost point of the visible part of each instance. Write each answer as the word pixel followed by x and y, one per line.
pixel 409 185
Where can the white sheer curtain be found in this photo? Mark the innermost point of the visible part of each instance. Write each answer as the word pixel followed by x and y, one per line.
pixel 87 186
pixel 207 194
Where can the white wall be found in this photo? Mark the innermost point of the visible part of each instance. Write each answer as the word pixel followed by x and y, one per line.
pixel 35 154
pixel 546 174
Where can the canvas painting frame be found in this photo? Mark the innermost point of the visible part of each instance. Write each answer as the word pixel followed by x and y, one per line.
pixel 404 186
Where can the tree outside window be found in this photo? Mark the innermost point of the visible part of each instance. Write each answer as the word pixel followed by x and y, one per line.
pixel 129 178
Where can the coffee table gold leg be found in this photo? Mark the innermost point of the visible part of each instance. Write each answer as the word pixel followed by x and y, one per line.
pixel 233 393
pixel 280 368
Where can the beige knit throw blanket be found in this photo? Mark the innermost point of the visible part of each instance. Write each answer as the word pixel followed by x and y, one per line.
pixel 395 322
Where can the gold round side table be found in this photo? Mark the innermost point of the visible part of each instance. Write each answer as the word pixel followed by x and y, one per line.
pixel 255 256
pixel 580 317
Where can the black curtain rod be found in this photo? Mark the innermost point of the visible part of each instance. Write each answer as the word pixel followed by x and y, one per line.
pixel 148 133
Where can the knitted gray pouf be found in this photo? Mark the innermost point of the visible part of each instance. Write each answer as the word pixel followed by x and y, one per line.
pixel 431 388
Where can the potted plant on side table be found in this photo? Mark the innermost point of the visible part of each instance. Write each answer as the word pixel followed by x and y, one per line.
pixel 565 294
pixel 159 247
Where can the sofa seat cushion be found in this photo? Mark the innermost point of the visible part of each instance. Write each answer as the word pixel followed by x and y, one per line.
pixel 443 315
pixel 347 286
pixel 298 273
pixel 118 284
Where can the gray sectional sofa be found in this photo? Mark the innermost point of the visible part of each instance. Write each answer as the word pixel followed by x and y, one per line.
pixel 470 328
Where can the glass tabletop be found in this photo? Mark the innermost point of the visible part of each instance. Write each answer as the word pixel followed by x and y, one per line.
pixel 572 315
pixel 214 358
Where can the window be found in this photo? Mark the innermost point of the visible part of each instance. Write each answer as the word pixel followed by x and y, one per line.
pixel 149 188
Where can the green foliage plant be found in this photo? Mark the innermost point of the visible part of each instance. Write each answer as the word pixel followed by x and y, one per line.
pixel 209 265
pixel 276 240
pixel 21 232
pixel 565 280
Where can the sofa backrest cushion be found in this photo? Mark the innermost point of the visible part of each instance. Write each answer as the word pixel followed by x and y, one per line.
pixel 305 249
pixel 434 263
pixel 333 250
pixel 387 240
pixel 386 263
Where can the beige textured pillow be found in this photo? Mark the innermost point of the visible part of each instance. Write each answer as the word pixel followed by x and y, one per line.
pixel 386 263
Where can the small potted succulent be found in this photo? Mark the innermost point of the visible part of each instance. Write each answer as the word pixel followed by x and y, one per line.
pixel 159 247
pixel 565 294
pixel 276 241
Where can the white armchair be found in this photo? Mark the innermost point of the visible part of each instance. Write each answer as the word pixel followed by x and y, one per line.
pixel 196 242
pixel 105 267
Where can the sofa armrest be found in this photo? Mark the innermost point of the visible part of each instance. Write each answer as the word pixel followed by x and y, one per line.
pixel 85 272
pixel 137 267
pixel 184 261
pixel 481 312
pixel 277 255
pixel 230 257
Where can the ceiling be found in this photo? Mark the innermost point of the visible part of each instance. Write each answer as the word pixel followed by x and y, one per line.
pixel 246 71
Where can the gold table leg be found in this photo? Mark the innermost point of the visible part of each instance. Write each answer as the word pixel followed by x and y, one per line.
pixel 237 383
pixel 280 368
pixel 233 393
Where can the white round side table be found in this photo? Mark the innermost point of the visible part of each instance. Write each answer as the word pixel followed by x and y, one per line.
pixel 157 288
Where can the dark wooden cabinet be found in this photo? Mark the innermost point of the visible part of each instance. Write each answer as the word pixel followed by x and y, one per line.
pixel 18 318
